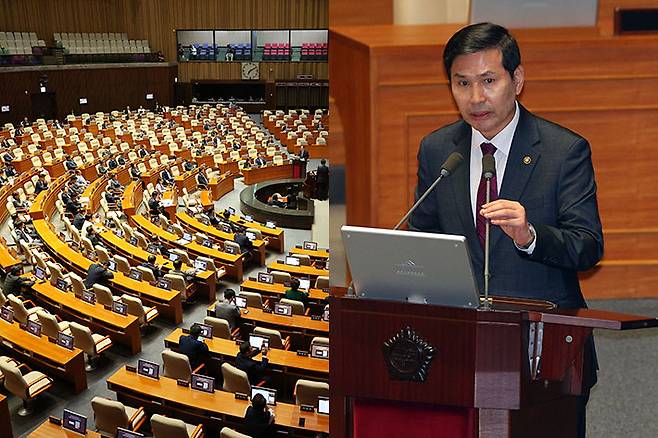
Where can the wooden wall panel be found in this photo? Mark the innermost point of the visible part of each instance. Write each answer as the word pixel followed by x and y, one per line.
pixel 606 21
pixel 364 12
pixel 269 71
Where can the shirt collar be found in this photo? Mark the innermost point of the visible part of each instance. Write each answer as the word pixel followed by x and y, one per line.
pixel 502 140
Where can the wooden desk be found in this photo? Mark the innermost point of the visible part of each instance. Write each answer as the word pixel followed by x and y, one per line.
pixel 132 197
pixel 320 254
pixel 43 354
pixel 222 185
pixel 229 166
pixel 186 181
pixel 275 235
pixel 121 329
pixel 298 271
pixel 269 172
pixel 233 263
pixel 213 410
pixel 93 193
pixel 49 430
pixel 168 302
pixel 206 280
pixel 287 361
pixel 278 290
pixel 5 417
pixel 195 225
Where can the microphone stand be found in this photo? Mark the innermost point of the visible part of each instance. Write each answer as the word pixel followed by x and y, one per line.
pixel 487 302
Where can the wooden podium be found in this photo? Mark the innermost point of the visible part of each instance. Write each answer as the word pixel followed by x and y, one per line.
pixel 513 371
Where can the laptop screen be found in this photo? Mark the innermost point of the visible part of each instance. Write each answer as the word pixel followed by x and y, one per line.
pixel 200 265
pixel 311 246
pixel 231 210
pixel 61 284
pixel 259 341
pixel 207 243
pixel 64 340
pixel 164 283
pixel 320 351
pixel 33 327
pixel 74 422
pixel 152 248
pixel 206 330
pixel 120 308
pixel 133 240
pixel 292 261
pixel 89 296
pixel 173 256
pixel 305 284
pixel 241 302
pixel 248 218
pixel 325 315
pixel 264 277
pixel 202 383
pixel 269 394
pixel 39 273
pixel 283 309
pixel 270 224
pixel 148 369
pixel 188 237
pixel 7 314
pixel 125 433
pixel 226 228
pixel 112 265
pixel 135 274
pixel 250 235
pixel 229 249
pixel 323 405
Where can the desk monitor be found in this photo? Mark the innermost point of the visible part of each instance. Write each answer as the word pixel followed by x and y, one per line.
pixel 200 265
pixel 248 218
pixel 320 351
pixel 323 405
pixel 39 273
pixel 171 229
pixel 148 369
pixel 424 267
pixel 133 240
pixel 207 243
pixel 125 433
pixel 135 274
pixel 188 237
pixel 164 283
pixel 264 277
pixel 241 302
pixel 89 296
pixel 259 341
pixel 270 224
pixel 268 393
pixel 74 422
pixel 230 249
pixel 283 309
pixel 119 233
pixel 206 330
pixel 304 283
pixel 173 256
pixel 311 246
pixel 64 340
pixel 226 228
pixel 325 315
pixel 202 383
pixel 250 235
pixel 33 327
pixel 61 284
pixel 112 265
pixel 152 248
pixel 7 314
pixel 120 308
pixel 292 261
pixel 231 210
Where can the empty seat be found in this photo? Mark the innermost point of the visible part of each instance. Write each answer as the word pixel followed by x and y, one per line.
pixel 297 306
pixel 27 386
pixel 104 295
pixel 227 432
pixel 322 282
pixel 165 427
pixel 220 327
pixel 276 340
pixel 110 414
pixel 235 380
pixel 50 326
pixel 177 366
pixel 135 307
pixel 92 344
pixel 254 299
pixel 21 313
pixel 308 391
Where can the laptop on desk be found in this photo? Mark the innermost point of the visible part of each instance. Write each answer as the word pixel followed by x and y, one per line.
pixel 410 266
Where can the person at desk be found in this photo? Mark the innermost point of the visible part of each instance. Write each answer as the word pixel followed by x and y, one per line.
pixel 112 163
pixel 114 186
pixel 295 294
pixel 41 184
pixel 178 270
pixel 15 284
pixel 228 310
pixel 7 157
pixel 155 206
pixel 135 174
pixel 98 274
pixel 201 179
pixel 160 186
pixel 166 177
pixel 209 213
pixel 10 171
pixel 322 181
pixel 80 219
pixel 304 155
pixel 260 161
pixel 79 181
pixel 245 244
pixel 188 165
pixel 154 267
pixel 275 201
pixel 259 419
pixel 19 205
pixel 142 152
pixel 537 248
pixel 69 164
pixel 194 348
pixel 245 361
pixel 22 232
pixel 121 161
pixel 93 237
pixel 247 164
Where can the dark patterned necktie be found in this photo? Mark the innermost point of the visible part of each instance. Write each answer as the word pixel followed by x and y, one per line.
pixel 487 148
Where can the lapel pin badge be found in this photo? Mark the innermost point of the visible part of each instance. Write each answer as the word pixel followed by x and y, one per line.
pixel 527 160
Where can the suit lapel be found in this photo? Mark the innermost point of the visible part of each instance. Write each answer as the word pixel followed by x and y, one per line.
pixel 521 163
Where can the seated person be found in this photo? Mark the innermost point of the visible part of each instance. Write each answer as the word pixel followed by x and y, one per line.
pixel 20 206
pixel 155 206
pixel 159 186
pixel 134 171
pixel 69 164
pixel 98 274
pixel 79 181
pixel 7 157
pixel 41 184
pixel 112 163
pixel 247 164
pixel 275 201
pixel 194 348
pixel 228 310
pixel 15 284
pixel 142 152
pixel 112 198
pixel 80 219
pixel 209 213
pixel 114 186
pixel 167 178
pixel 260 161
pixel 259 419
pixel 92 235
pixel 188 165
pixel 202 179
pixel 10 171
pixel 22 232
pixel 295 294
pixel 150 263
pixel 121 161
pixel 244 242
pixel 178 270
pixel 244 360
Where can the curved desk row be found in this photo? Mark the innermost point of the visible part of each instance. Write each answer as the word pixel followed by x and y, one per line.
pixel 298 271
pixel 274 235
pixel 278 290
pixel 319 254
pixel 259 174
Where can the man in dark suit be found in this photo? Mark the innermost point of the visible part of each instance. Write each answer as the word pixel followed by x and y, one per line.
pixel 322 181
pixel 194 348
pixel 98 274
pixel 228 310
pixel 167 179
pixel 244 242
pixel 544 217
pixel 244 360
pixel 15 284
pixel 150 263
pixel 69 164
pixel 40 185
pixel 202 180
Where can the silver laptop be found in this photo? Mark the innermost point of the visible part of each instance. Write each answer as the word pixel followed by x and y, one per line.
pixel 410 266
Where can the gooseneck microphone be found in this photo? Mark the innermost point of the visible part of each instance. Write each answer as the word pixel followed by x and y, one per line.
pixel 488 172
pixel 447 168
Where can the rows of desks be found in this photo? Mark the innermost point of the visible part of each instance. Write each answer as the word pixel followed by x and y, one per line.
pixel 259 174
pixel 278 290
pixel 298 271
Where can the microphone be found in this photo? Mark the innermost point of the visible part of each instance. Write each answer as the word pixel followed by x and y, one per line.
pixel 447 168
pixel 488 172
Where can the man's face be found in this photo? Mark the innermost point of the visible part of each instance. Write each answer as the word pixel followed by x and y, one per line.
pixel 484 91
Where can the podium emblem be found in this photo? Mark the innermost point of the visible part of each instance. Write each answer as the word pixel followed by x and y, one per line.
pixel 408 356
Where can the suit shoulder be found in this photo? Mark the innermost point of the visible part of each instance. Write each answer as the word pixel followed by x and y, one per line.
pixel 443 135
pixel 557 136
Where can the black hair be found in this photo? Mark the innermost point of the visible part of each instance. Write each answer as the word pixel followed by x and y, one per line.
pixel 245 347
pixel 178 263
pixel 228 294
pixel 151 259
pixel 195 330
pixel 294 283
pixel 258 402
pixel 479 37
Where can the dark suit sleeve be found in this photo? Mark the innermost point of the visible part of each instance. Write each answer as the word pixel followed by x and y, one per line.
pixel 577 241
pixel 426 216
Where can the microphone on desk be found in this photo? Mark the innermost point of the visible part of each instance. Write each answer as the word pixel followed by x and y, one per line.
pixel 447 168
pixel 488 172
